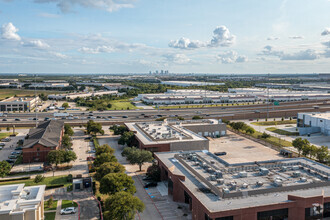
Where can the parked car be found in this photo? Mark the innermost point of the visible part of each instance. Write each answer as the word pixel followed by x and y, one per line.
pixel 2 144
pixel 91 152
pixel 90 158
pixel 12 157
pixel 15 153
pixel 6 140
pixel 1 148
pixel 18 148
pixel 147 178
pixel 220 153
pixel 10 161
pixel 69 210
pixel 150 184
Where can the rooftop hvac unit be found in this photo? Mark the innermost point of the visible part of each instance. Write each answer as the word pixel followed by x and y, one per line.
pixel 295 167
pixel 284 168
pixel 233 185
pixel 220 181
pixel 242 174
pixel 316 180
pixel 303 179
pixel 259 183
pixel 245 185
pixel 278 182
pixel 218 174
pixel 213 178
pixel 296 174
pixel 225 190
pixel 210 170
pixel 194 158
pixel 212 161
pixel 263 171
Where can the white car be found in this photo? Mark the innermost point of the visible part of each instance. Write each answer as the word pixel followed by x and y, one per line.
pixel 69 210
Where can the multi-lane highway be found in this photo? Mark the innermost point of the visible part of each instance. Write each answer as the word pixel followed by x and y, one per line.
pixel 225 112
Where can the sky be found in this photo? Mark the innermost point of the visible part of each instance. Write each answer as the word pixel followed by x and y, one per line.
pixel 181 36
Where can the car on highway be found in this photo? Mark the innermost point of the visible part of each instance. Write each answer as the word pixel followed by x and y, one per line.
pixel 17 119
pixel 90 114
pixel 69 210
pixel 46 119
pixel 4 119
pixel 76 117
pixel 35 119
pixel 98 116
pixel 220 153
pixel 124 116
pixel 109 116
pixel 150 184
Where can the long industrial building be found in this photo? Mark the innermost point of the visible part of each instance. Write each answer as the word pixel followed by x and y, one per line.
pixel 295 188
pixel 172 97
pixel 176 135
pixel 19 104
pixel 309 123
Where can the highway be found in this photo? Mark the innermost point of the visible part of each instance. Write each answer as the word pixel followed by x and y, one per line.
pixel 225 112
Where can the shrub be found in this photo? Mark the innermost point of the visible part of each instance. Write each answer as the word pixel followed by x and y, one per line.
pixel 39 178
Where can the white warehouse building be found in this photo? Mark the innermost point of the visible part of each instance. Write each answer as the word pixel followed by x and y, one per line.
pixel 314 123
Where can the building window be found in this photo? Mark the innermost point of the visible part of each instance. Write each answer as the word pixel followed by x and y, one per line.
pixel 225 218
pixel 326 209
pixel 273 214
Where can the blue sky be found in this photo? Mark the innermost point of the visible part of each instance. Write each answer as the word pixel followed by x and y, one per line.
pixel 182 36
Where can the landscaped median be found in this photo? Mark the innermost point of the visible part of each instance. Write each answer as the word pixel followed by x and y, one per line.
pixel 282 132
pixel 68 203
pixel 269 123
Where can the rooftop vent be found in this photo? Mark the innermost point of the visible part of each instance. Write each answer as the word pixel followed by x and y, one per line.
pixel 220 181
pixel 303 179
pixel 296 174
pixel 242 174
pixel 225 190
pixel 245 185
pixel 259 183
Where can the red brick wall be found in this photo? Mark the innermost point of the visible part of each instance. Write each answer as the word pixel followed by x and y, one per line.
pixel 154 147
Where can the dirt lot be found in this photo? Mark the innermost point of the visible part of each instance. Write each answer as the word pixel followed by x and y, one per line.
pixel 241 150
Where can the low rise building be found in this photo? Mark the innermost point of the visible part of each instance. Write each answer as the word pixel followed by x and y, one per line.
pixel 191 83
pixel 19 103
pixel 20 202
pixel 39 141
pixel 295 188
pixel 309 123
pixel 81 95
pixel 176 135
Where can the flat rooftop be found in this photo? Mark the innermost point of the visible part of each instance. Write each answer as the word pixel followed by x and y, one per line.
pixel 222 186
pixel 18 99
pixel 325 115
pixel 241 150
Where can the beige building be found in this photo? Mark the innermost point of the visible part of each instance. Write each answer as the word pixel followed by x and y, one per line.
pixel 19 104
pixel 22 203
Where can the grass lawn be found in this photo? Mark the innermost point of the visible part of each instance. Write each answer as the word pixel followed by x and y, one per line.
pixel 4 93
pixel 273 140
pixel 267 123
pixel 4 135
pixel 48 181
pixel 122 105
pixel 52 207
pixel 50 215
pixel 282 132
pixel 68 203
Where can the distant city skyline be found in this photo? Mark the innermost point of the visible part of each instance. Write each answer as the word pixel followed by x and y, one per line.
pixel 136 36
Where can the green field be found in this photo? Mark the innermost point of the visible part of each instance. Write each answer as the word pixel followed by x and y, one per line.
pixel 122 105
pixel 48 181
pixel 50 215
pixel 268 123
pixel 282 132
pixel 52 207
pixel 4 93
pixel 68 203
pixel 273 140
pixel 4 135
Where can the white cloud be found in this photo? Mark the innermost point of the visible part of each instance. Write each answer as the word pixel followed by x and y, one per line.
pixel 221 38
pixel 296 37
pixel 326 32
pixel 177 58
pixel 108 5
pixel 231 57
pixel 59 55
pixel 99 49
pixel 36 43
pixel 273 38
pixel 185 43
pixel 9 32
pixel 308 54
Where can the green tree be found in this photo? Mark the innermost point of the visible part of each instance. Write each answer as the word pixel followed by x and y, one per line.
pixel 43 97
pixel 55 157
pixel 94 128
pixel 122 206
pixel 250 130
pixel 109 167
pixel 265 135
pixel 127 138
pixel 50 202
pixel 68 130
pixel 39 178
pixel 153 172
pixel 322 153
pixel 117 182
pixel 299 144
pixel 118 130
pixel 66 141
pixel 65 105
pixel 313 151
pixel 103 158
pixel 69 156
pixel 139 157
pixel 306 150
pixel 4 168
pixel 104 149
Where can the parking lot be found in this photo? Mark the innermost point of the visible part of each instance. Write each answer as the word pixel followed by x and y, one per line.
pixel 241 150
pixel 11 145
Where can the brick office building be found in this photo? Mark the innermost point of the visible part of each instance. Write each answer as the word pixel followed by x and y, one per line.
pixel 176 135
pixel 295 188
pixel 39 141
